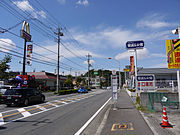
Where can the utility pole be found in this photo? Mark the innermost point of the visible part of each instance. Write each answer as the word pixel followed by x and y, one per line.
pixel 88 60
pixel 58 34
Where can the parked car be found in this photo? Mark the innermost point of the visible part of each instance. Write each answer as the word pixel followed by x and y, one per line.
pixel 22 96
pixel 82 90
pixel 3 88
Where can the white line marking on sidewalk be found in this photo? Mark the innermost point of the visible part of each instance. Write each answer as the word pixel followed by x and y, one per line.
pixel 24 112
pixel 89 121
pixel 1 119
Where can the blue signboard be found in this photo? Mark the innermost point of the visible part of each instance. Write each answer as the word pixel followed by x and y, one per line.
pixel 135 44
pixel 145 77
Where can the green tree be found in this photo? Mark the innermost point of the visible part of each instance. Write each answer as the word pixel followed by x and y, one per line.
pixel 4 66
pixel 69 81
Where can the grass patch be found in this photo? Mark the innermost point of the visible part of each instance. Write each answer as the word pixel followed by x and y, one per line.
pixel 132 90
pixel 141 108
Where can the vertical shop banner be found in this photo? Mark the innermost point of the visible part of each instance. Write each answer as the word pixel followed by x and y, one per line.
pixel 29 54
pixel 173 53
pixel 132 70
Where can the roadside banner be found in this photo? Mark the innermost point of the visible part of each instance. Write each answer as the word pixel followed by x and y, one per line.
pixel 29 54
pixel 132 70
pixel 173 53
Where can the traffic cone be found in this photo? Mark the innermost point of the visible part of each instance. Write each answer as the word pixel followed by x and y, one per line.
pixel 165 123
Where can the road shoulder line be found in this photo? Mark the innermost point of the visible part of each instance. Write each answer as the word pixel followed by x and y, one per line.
pixel 89 121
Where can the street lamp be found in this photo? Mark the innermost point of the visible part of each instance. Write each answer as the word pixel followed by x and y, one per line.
pixel 119 71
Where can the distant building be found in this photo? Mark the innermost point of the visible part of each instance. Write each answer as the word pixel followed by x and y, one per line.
pixel 47 80
pixel 164 77
pixel 95 82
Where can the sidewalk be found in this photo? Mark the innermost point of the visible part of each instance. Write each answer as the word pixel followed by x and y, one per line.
pixel 126 120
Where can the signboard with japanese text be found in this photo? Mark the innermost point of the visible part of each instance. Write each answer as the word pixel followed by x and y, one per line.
pixel 29 54
pixel 173 53
pixel 132 70
pixel 135 44
pixel 146 82
pixel 114 86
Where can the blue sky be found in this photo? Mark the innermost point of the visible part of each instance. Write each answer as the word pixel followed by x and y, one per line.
pixel 98 27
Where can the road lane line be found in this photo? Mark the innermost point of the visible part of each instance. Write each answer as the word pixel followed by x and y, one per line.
pixel 1 119
pixel 24 112
pixel 89 121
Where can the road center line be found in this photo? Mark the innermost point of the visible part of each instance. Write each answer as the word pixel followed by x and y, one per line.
pixel 89 121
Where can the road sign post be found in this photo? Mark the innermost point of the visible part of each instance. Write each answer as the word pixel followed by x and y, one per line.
pixel 134 45
pixel 114 88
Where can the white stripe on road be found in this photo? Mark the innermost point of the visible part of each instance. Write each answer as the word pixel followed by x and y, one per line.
pixel 89 121
pixel 1 119
pixel 53 104
pixel 40 107
pixel 24 112
pixel 64 102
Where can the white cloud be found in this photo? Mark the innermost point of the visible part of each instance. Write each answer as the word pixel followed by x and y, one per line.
pixel 154 21
pixel 8 44
pixel 62 1
pixel 42 14
pixel 82 2
pixel 161 65
pixel 141 54
pixel 53 47
pixel 90 61
pixel 25 6
pixel 108 37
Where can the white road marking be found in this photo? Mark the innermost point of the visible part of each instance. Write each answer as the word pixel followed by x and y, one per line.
pixel 40 107
pixel 89 121
pixel 64 102
pixel 1 119
pixel 53 104
pixel 24 112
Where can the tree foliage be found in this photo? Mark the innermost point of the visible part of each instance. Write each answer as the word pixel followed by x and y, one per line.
pixel 4 67
pixel 69 80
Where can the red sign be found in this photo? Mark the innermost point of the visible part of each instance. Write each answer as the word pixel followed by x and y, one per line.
pixel 132 65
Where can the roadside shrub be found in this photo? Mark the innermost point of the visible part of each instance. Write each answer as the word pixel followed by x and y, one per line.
pixel 132 90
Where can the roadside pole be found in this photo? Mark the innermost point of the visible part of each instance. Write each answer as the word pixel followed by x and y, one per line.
pixel 135 56
pixel 134 45
pixel 178 70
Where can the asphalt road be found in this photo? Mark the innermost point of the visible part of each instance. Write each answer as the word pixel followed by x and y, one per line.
pixel 58 116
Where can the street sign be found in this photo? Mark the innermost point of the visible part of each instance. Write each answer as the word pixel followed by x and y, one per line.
pixel 135 44
pixel 173 53
pixel 146 82
pixel 145 77
pixel 95 73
